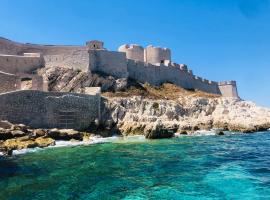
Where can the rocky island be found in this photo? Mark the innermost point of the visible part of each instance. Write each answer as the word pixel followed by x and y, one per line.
pixel 75 93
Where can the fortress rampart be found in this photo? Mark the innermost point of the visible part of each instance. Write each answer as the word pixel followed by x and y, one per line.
pixel 152 64
pixel 20 64
pixel 50 109
pixel 156 75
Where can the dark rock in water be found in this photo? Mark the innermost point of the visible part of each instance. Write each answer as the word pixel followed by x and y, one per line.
pixel 158 131
pixel 220 133
pixel 183 132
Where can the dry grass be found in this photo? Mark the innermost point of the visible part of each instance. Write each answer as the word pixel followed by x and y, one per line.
pixel 165 91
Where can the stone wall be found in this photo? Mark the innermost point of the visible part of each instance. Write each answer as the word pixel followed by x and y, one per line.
pixel 156 75
pixel 109 62
pixel 50 109
pixel 8 82
pixel 75 57
pixel 19 64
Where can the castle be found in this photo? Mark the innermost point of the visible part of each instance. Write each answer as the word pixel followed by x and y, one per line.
pixel 153 65
pixel 24 95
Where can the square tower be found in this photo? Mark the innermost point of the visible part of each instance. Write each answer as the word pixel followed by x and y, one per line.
pixel 95 45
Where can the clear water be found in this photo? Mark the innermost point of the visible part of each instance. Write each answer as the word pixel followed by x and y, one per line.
pixel 208 167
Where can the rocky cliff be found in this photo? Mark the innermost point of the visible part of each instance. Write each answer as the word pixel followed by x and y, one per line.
pixel 133 108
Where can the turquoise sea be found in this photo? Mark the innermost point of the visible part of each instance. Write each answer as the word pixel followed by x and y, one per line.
pixel 234 166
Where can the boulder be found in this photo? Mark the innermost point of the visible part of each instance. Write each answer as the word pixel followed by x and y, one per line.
pixel 5 125
pixel 39 132
pixel 19 143
pixel 65 134
pixel 5 134
pixel 158 131
pixel 44 142
pixel 20 127
pixel 18 133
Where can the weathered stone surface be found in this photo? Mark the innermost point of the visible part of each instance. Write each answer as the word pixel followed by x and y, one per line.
pixel 39 132
pixel 22 143
pixel 20 127
pixel 65 134
pixel 132 115
pixel 158 131
pixel 18 133
pixel 43 109
pixel 44 142
pixel 5 125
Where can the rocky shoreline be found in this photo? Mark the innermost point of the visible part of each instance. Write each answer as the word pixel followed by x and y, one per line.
pixel 19 136
pixel 161 118
pixel 130 108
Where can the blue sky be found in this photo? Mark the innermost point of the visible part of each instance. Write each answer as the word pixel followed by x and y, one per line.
pixel 217 39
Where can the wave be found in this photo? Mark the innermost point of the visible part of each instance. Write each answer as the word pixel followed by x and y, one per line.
pixel 93 140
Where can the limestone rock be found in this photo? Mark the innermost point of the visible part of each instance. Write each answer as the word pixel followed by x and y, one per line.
pixel 18 133
pixel 12 144
pixel 39 132
pixel 133 115
pixel 44 142
pixel 65 134
pixel 5 125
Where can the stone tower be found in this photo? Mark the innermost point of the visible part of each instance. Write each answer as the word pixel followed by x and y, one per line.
pixel 133 51
pixel 156 55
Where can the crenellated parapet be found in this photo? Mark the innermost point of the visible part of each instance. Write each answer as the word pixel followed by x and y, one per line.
pixel 228 89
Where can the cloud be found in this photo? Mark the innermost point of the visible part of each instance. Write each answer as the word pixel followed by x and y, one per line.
pixel 253 8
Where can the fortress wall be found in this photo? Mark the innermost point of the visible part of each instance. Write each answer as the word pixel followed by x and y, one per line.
pixel 133 52
pixel 228 89
pixel 156 75
pixel 75 57
pixel 9 47
pixel 7 82
pixel 109 62
pixel 78 60
pixel 49 109
pixel 206 86
pixel 17 64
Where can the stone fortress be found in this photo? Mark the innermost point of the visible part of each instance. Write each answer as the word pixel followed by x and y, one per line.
pixel 19 64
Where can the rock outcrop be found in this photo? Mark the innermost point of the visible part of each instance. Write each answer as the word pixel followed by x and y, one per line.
pixel 160 118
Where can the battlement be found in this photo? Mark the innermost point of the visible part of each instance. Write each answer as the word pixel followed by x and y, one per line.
pixel 227 83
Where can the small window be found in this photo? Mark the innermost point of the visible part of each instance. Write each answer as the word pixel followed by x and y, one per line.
pixel 162 61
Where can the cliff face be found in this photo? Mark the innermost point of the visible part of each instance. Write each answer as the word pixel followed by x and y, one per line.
pixel 138 115
pixel 157 112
